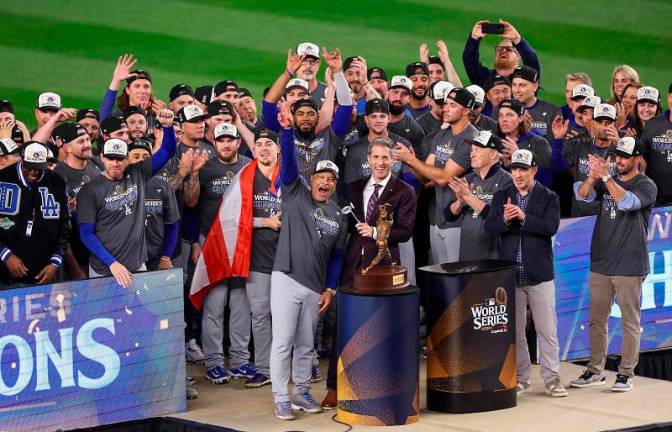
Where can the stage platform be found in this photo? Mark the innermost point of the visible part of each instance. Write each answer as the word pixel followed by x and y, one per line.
pixel 592 409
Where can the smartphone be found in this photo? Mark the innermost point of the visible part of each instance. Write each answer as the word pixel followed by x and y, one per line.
pixel 492 28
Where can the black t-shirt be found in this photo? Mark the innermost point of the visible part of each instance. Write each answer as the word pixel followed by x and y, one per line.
pixel 657 146
pixel 408 128
pixel 264 240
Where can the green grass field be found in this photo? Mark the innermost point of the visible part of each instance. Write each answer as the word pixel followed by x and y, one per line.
pixel 71 46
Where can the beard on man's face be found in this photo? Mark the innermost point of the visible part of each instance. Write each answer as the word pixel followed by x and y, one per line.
pixel 396 109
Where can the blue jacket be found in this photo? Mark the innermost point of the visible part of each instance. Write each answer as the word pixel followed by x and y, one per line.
pixel 542 218
pixel 479 74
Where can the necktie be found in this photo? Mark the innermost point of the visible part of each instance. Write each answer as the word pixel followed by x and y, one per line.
pixel 373 201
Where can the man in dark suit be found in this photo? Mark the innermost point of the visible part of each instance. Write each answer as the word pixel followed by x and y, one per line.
pixel 366 195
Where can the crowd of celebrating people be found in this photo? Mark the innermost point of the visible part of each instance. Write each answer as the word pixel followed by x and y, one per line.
pixel 469 171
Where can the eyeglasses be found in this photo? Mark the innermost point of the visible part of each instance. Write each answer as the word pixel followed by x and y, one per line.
pixel 309 61
pixel 505 49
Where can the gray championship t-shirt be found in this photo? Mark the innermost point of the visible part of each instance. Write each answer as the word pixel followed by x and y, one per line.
pixel 408 128
pixel 264 240
pixel 214 178
pixel 542 114
pixel 309 232
pixel 321 146
pixel 357 163
pixel 619 245
pixel 160 209
pixel 116 208
pixel 657 150
pixel 317 95
pixel 429 123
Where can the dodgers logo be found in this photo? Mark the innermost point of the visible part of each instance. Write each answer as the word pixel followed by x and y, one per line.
pixel 51 209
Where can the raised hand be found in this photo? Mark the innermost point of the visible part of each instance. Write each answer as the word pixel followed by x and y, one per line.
pixel 460 187
pixel 403 153
pixel 165 117
pixel 443 51
pixel 199 159
pixel 122 70
pixel 510 32
pixel 65 114
pixel 185 162
pixel 424 53
pixel 333 59
pixel 6 127
pixel 559 127
pixel 477 32
pixel 360 66
pixel 285 117
pixel 293 61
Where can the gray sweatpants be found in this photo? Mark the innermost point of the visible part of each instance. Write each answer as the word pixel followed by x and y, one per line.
pixel 444 244
pixel 258 288
pixel 212 324
pixel 407 256
pixel 541 298
pixel 295 314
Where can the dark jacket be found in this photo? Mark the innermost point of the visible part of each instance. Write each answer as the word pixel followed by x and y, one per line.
pixel 401 198
pixel 542 218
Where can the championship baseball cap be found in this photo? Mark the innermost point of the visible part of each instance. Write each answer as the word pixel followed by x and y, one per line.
pixel 648 94
pixel 417 68
pixel 376 105
pixel 326 166
pixel 308 102
pixel 8 146
pixel 628 147
pixel 265 133
pixel 191 113
pixel 400 81
pixel 6 106
pixel 487 139
pixel 224 86
pixel 132 110
pixel 496 80
pixel 462 96
pixel 218 107
pixel 243 92
pixel 48 101
pixel 438 89
pixel 604 111
pixel 112 124
pixel 513 104
pixel 115 148
pixel 376 73
pixel 590 102
pixel 582 91
pixel 296 83
pixel 203 94
pixel 309 50
pixel 523 159
pixel 225 129
pixel 87 113
pixel 142 144
pixel 347 64
pixel 479 94
pixel 35 156
pixel 180 90
pixel 69 131
pixel 527 73
pixel 140 74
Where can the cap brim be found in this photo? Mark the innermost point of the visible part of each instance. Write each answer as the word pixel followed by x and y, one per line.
pixel 115 156
pixel 37 166
pixel 401 87
pixel 198 118
pixel 647 100
pixel 624 154
pixel 49 108
pixel 225 135
pixel 296 87
pixel 604 118
pixel 327 170
pixel 521 165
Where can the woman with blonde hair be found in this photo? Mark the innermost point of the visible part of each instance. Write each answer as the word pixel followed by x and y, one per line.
pixel 621 77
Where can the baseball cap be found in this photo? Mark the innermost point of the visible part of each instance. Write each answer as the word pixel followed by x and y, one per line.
pixel 527 73
pixel 218 107
pixel 35 156
pixel 87 113
pixel 590 102
pixel 376 105
pixel 243 92
pixel 265 133
pixel 400 81
pixel 487 139
pixel 115 148
pixel 628 147
pixel 48 101
pixel 6 106
pixel 142 144
pixel 417 68
pixel 604 111
pixel 69 131
pixel 296 83
pixel 191 113
pixel 523 159
pixel 141 74
pixel 225 129
pixel 513 104
pixel 180 90
pixel 435 60
pixel 112 124
pixel 648 94
pixel 462 96
pixel 438 89
pixel 479 94
pixel 224 86
pixel 380 73
pixel 347 64
pixel 308 49
pixel 131 110
pixel 8 146
pixel 582 91
pixel 308 102
pixel 203 94
pixel 326 166
pixel 17 135
pixel 52 150
pixel 496 80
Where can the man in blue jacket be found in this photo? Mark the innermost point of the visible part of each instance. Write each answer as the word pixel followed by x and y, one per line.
pixel 526 215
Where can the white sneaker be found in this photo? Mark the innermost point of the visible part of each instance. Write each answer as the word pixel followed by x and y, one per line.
pixel 622 384
pixel 193 352
pixel 522 387
pixel 555 388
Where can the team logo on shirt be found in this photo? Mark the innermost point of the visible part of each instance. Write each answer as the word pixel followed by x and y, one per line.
pixel 6 223
pixel 609 205
pixel 662 143
pixel 539 127
pixel 308 152
pixel 51 209
pixel 219 185
pixel 444 152
pixel 325 224
pixel 481 195
pixel 122 199
pixel 492 315
pixel 266 202
pixel 153 206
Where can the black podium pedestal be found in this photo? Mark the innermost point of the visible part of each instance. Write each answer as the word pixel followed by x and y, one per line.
pixel 471 343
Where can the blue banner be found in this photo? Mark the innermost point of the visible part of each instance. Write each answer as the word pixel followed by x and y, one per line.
pixel 87 353
pixel 572 267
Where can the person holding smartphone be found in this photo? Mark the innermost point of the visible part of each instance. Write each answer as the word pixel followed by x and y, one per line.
pixel 508 53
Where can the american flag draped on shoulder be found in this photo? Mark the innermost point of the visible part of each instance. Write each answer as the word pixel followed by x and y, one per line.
pixel 227 249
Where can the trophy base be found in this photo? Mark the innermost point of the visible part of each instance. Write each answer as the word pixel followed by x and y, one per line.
pixel 385 279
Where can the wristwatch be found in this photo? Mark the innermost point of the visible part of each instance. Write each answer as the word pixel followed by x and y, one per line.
pixel 605 178
pixel 331 291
